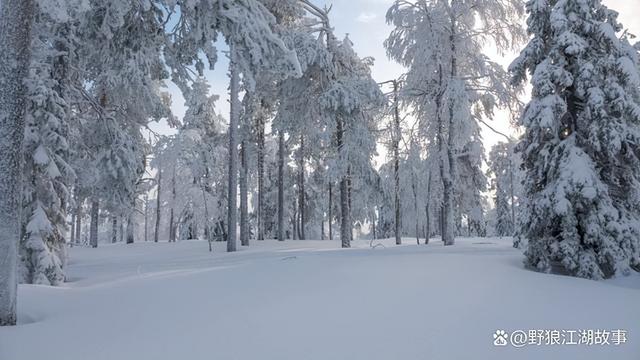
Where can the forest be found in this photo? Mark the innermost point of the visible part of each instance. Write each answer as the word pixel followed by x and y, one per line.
pixel 308 152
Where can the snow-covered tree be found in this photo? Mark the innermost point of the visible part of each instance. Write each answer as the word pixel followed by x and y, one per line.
pixel 16 19
pixel 580 148
pixel 502 168
pixel 46 151
pixel 450 84
pixel 350 101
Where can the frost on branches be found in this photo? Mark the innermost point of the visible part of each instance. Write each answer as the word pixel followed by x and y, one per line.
pixel 581 145
pixel 452 86
pixel 45 193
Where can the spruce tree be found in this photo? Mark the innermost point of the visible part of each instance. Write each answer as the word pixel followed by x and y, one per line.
pixel 581 144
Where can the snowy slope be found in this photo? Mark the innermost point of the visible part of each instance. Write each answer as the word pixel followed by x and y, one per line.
pixel 307 300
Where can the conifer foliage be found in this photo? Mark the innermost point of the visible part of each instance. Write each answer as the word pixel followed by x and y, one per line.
pixel 581 143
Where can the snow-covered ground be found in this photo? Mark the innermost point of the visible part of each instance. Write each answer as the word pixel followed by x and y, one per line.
pixel 308 300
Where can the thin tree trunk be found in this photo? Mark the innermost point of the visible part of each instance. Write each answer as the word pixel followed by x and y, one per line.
pixel 114 229
pixel 512 194
pixel 450 176
pixel 301 201
pixel 427 232
pixel 373 225
pixel 415 208
pixel 345 211
pixel 93 227
pixel 345 224
pixel 294 221
pixel 172 225
pixel 121 231
pixel 207 227
pixel 72 240
pixel 396 163
pixel 146 217
pixel 330 211
pixel 79 220
pixel 16 19
pixel 156 234
pixel 244 196
pixel 260 159
pixel 281 186
pixel 234 89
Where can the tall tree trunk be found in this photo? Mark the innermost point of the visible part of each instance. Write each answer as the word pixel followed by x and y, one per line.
pixel 396 163
pixel 346 225
pixel 330 211
pixel 79 220
pixel 172 222
pixel 294 221
pixel 93 227
pixel 121 231
pixel 16 19
pixel 72 240
pixel 373 225
pixel 146 217
pixel 415 208
pixel 260 159
pixel 450 176
pixel 512 193
pixel 114 229
pixel 280 186
pixel 427 232
pixel 244 196
pixel 446 213
pixel 156 233
pixel 301 201
pixel 234 89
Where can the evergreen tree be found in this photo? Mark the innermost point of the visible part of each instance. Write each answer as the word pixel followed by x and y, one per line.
pixel 581 143
pixel 501 170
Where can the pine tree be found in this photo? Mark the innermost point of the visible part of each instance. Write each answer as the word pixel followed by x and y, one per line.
pixel 580 148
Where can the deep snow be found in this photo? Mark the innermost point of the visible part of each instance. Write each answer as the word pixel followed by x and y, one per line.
pixel 308 300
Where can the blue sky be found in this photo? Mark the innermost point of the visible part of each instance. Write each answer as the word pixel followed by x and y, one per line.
pixel 364 22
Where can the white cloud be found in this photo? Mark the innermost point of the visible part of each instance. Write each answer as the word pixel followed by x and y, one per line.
pixel 366 17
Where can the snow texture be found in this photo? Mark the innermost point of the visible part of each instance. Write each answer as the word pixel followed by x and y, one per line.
pixel 310 300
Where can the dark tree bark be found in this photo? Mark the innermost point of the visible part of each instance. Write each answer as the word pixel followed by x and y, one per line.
pixel 79 220
pixel 260 160
pixel 396 163
pixel 114 229
pixel 131 225
pixel 156 233
pixel 301 180
pixel 427 232
pixel 72 240
pixel 330 211
pixel 93 227
pixel 172 222
pixel 281 186
pixel 346 226
pixel 232 211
